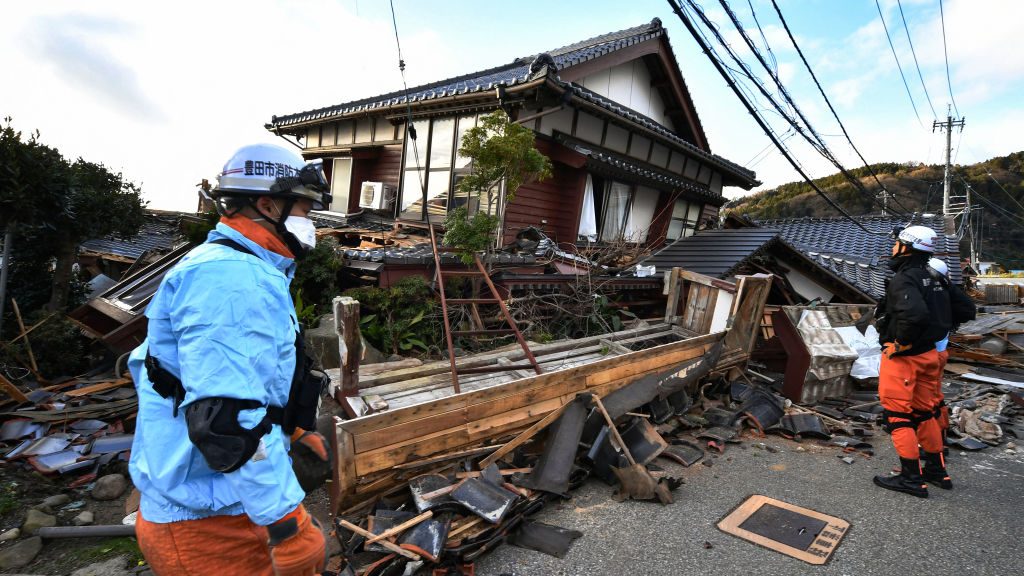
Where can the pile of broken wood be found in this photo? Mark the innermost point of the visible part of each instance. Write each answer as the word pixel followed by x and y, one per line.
pixel 450 509
pixel 73 427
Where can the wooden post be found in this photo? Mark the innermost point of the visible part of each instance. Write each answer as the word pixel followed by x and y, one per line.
pixel 21 325
pixel 350 346
pixel 343 478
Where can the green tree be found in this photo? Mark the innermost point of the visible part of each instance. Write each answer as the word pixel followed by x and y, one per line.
pixel 102 203
pixel 503 158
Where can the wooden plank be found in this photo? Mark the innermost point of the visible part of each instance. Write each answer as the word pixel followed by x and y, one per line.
pixel 511 352
pixel 706 280
pixel 471 429
pixel 12 390
pixel 344 474
pixel 385 543
pixel 410 413
pixel 28 345
pixel 446 457
pixel 747 310
pixel 672 291
pixel 523 437
pixel 101 387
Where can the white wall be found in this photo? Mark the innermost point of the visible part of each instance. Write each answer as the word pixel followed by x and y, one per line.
pixel 629 84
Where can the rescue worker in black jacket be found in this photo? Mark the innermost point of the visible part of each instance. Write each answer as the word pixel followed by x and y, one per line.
pixel 915 315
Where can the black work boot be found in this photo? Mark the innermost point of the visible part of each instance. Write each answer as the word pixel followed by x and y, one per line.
pixel 934 470
pixel 909 479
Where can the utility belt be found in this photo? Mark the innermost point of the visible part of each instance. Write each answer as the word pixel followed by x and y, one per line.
pixel 303 397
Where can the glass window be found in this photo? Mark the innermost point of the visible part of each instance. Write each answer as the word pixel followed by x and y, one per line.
pixel 341 184
pixel 615 207
pixel 685 217
pixel 465 123
pixel 442 139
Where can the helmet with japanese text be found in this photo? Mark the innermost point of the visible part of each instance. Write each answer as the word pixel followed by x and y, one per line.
pixel 271 170
pixel 919 238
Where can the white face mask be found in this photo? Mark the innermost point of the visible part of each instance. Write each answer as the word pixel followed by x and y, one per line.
pixel 303 229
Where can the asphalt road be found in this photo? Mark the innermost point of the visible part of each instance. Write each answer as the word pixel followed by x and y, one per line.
pixel 973 529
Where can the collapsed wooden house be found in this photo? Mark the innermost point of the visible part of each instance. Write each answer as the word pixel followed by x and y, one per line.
pixel 424 423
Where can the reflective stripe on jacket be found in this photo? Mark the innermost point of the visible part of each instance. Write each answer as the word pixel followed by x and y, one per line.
pixel 224 322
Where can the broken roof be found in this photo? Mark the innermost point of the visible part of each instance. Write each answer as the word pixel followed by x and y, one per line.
pixel 720 253
pixel 157 234
pixel 511 74
pixel 522 70
pixel 858 256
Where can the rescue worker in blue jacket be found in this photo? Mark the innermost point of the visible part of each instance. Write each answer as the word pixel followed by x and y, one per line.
pixel 222 385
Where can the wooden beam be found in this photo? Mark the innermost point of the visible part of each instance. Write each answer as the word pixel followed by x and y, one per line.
pixel 400 528
pixel 385 543
pixel 523 437
pixel 12 390
pixel 350 346
pixel 28 345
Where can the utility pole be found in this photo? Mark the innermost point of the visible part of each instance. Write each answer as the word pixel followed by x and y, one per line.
pixel 947 183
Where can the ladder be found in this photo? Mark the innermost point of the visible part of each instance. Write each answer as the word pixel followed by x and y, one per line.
pixel 495 298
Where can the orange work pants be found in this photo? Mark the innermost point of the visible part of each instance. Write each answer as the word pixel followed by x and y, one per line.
pixel 910 385
pixel 943 416
pixel 221 545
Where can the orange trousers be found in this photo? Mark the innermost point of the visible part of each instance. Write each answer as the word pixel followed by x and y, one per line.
pixel 944 411
pixel 912 384
pixel 218 545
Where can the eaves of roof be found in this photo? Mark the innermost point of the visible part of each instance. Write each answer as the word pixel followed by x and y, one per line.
pixel 632 166
pixel 512 74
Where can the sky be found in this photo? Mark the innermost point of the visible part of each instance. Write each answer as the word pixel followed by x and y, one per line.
pixel 165 92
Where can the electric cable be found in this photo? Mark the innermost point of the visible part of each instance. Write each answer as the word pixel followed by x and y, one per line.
pixel 410 129
pixel 897 58
pixel 828 102
pixel 1005 191
pixel 677 8
pixel 822 147
pixel 945 56
pixel 914 54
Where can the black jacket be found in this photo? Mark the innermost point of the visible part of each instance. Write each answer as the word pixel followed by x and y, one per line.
pixel 961 306
pixel 916 309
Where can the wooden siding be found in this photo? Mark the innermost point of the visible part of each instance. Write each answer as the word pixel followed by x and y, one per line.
pixel 556 200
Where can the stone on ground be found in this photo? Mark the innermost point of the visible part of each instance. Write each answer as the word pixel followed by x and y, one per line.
pixel 85 518
pixel 21 553
pixel 109 487
pixel 36 519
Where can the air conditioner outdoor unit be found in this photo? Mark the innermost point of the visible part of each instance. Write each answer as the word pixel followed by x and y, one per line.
pixel 375 195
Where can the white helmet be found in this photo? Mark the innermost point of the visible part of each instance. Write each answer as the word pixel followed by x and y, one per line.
pixel 270 170
pixel 920 238
pixel 939 266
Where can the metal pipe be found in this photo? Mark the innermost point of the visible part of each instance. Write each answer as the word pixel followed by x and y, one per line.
pixel 108 530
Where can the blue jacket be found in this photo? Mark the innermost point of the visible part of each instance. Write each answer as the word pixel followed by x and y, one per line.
pixel 224 323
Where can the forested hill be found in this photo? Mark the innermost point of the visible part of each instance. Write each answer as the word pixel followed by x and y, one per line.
pixel 997 184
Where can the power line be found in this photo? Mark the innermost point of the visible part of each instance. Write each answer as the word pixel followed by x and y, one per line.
pixel 817 141
pixel 1005 191
pixel 753 13
pixel 712 55
pixel 945 55
pixel 821 90
pixel 409 128
pixel 914 54
pixel 900 68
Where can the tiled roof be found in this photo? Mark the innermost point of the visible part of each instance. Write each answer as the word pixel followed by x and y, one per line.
pixel 748 177
pixel 714 253
pixel 515 72
pixel 859 257
pixel 158 234
pixel 631 166
pixel 525 69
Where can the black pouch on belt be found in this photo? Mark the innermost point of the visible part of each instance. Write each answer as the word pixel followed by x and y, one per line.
pixel 307 386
